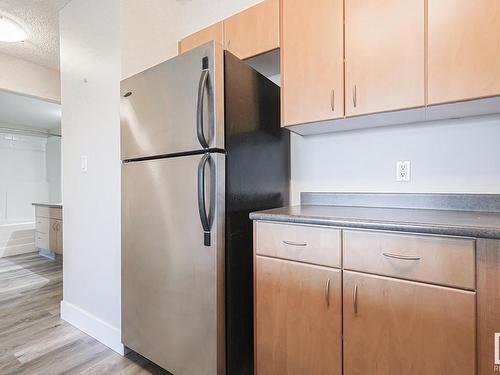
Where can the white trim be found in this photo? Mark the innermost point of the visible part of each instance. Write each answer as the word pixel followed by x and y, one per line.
pixel 93 326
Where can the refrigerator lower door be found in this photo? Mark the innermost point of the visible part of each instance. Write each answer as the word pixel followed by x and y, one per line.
pixel 172 280
pixel 174 107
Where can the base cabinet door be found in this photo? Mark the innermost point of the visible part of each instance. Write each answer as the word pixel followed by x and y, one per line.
pixel 54 236
pixel 396 327
pixel 59 237
pixel 298 318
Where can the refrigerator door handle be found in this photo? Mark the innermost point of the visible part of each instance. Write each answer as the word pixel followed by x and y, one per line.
pixel 200 106
pixel 206 219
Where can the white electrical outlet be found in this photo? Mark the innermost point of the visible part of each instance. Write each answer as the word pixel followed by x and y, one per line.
pixel 403 170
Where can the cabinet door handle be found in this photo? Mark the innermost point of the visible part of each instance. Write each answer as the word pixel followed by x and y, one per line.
pixel 327 293
pixel 332 100
pixel 355 96
pixel 401 257
pixel 299 244
pixel 355 299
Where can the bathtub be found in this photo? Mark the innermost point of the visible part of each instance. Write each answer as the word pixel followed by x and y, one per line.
pixel 16 237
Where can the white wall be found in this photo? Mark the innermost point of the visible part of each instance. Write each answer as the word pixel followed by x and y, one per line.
pixel 23 178
pixel 452 156
pixel 30 79
pixel 150 32
pixel 90 77
pixel 460 156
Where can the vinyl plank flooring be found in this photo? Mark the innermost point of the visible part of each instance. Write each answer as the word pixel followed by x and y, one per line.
pixel 33 338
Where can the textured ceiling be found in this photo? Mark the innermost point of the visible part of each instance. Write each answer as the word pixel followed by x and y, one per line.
pixel 40 18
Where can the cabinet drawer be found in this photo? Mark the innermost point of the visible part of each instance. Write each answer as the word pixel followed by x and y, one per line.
pixel 42 240
pixel 48 212
pixel 308 244
pixel 42 225
pixel 439 260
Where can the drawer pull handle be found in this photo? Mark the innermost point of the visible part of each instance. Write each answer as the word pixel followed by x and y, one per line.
pixel 327 293
pixel 355 299
pixel 300 244
pixel 401 257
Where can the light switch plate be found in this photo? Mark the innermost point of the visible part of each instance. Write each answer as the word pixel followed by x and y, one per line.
pixel 403 170
pixel 83 164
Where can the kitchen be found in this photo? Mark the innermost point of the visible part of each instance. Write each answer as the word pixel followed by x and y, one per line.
pixel 391 110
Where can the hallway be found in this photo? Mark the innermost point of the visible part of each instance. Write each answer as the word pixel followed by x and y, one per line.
pixel 33 338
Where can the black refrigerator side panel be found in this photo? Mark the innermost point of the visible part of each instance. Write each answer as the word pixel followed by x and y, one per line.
pixel 257 178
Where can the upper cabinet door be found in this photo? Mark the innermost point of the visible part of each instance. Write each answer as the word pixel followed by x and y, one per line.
pixel 213 32
pixel 464 53
pixel 312 69
pixel 253 31
pixel 384 55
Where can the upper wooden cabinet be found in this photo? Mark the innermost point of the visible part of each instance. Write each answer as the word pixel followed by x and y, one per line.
pixel 384 55
pixel 464 53
pixel 312 69
pixel 298 318
pixel 213 32
pixel 253 31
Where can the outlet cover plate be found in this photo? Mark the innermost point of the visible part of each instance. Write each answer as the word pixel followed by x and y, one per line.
pixel 403 170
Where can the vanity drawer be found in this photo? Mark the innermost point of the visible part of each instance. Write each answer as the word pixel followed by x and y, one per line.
pixel 42 225
pixel 302 243
pixel 438 260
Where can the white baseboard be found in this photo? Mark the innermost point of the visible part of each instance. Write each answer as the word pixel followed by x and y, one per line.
pixel 93 326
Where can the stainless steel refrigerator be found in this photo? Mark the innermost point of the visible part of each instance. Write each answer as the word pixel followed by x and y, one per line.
pixel 201 147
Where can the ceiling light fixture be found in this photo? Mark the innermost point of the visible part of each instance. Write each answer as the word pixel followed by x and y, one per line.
pixel 11 31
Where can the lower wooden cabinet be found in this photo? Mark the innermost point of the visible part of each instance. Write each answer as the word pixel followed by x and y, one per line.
pixel 55 236
pixel 49 229
pixel 396 327
pixel 298 318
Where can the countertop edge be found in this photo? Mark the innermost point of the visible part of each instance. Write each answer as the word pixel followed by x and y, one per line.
pixel 50 205
pixel 424 228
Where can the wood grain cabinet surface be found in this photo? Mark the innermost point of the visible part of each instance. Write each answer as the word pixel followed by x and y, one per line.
pixel 488 304
pixel 396 327
pixel 49 229
pixel 312 67
pixel 253 31
pixel 213 32
pixel 384 55
pixel 463 50
pixel 448 261
pixel 302 243
pixel 298 318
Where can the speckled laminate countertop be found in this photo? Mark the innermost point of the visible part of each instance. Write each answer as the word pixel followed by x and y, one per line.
pixel 431 221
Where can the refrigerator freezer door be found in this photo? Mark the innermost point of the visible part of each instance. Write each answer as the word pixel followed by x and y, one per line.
pixel 174 107
pixel 172 282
